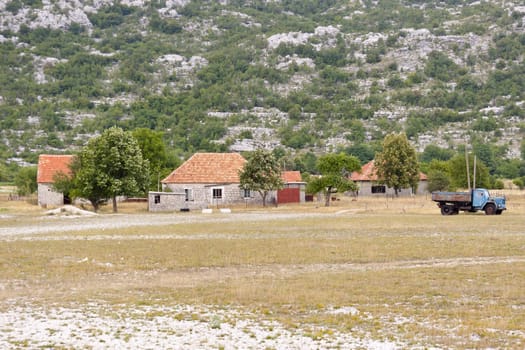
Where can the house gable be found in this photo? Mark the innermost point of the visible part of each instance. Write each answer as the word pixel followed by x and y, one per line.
pixel 291 177
pixel 50 164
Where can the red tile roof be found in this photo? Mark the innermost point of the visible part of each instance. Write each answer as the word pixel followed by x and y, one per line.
pixel 368 173
pixel 208 168
pixel 51 164
pixel 291 176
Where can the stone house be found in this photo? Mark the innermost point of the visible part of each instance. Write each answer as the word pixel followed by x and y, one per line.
pixel 369 185
pixel 205 180
pixel 48 166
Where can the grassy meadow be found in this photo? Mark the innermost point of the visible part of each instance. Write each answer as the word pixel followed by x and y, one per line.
pixel 412 274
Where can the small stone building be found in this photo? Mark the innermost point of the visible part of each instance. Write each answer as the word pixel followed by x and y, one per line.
pixel 206 180
pixel 369 184
pixel 293 190
pixel 48 166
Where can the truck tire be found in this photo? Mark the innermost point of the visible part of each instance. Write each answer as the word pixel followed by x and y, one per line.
pixel 490 209
pixel 447 210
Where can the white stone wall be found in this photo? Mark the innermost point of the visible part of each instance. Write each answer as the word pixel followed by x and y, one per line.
pixel 47 197
pixel 165 201
pixel 201 196
pixel 365 189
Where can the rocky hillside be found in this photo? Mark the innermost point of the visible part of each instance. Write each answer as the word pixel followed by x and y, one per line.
pixel 302 77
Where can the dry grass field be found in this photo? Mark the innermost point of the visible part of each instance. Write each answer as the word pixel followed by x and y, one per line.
pixel 367 273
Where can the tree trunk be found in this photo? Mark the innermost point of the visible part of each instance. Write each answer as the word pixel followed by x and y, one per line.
pixel 114 204
pixel 95 206
pixel 263 195
pixel 327 197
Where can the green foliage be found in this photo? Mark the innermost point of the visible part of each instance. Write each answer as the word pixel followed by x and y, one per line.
pixel 498 184
pixel 25 181
pixel 438 180
pixel 363 151
pixel 261 173
pixel 519 182
pixel 335 170
pixel 397 165
pixel 110 165
pixel 153 149
pixel 110 16
pixel 486 124
pixel 432 152
pixel 440 67
pixel 458 172
pixel 306 163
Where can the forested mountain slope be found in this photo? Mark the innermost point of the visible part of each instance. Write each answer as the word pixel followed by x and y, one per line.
pixel 303 77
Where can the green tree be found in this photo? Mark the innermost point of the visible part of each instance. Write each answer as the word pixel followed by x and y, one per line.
pixel 437 180
pixel 111 165
pixel 25 181
pixel 459 176
pixel 397 165
pixel 334 169
pixel 153 149
pixel 435 152
pixel 261 173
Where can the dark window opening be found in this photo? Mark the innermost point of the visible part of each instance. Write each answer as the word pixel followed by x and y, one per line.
pixel 379 189
pixel 157 199
pixel 188 194
pixel 217 193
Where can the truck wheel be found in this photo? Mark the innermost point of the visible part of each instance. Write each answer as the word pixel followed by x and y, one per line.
pixel 447 210
pixel 490 209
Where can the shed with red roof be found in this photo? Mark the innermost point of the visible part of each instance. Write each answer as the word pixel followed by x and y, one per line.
pixel 50 165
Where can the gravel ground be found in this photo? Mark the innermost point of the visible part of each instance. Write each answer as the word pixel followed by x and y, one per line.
pixel 94 326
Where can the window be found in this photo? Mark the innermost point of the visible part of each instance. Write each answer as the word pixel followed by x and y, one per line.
pixel 217 193
pixel 246 193
pixel 157 199
pixel 188 194
pixel 379 189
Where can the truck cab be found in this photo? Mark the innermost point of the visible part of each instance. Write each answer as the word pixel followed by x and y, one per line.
pixel 482 200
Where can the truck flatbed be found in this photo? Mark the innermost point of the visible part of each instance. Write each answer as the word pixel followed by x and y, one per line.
pixel 451 196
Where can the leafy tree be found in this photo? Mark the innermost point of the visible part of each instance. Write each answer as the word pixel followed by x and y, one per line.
pixel 25 181
pixel 397 165
pixel 363 151
pixel 435 152
pixel 111 165
pixel 334 169
pixel 440 66
pixel 261 173
pixel 154 151
pixel 458 172
pixel 437 180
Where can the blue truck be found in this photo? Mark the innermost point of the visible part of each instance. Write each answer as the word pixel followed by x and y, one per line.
pixel 472 201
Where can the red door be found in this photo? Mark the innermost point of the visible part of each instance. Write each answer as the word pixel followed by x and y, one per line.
pixel 289 195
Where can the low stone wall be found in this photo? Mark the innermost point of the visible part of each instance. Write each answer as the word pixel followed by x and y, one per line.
pixel 166 201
